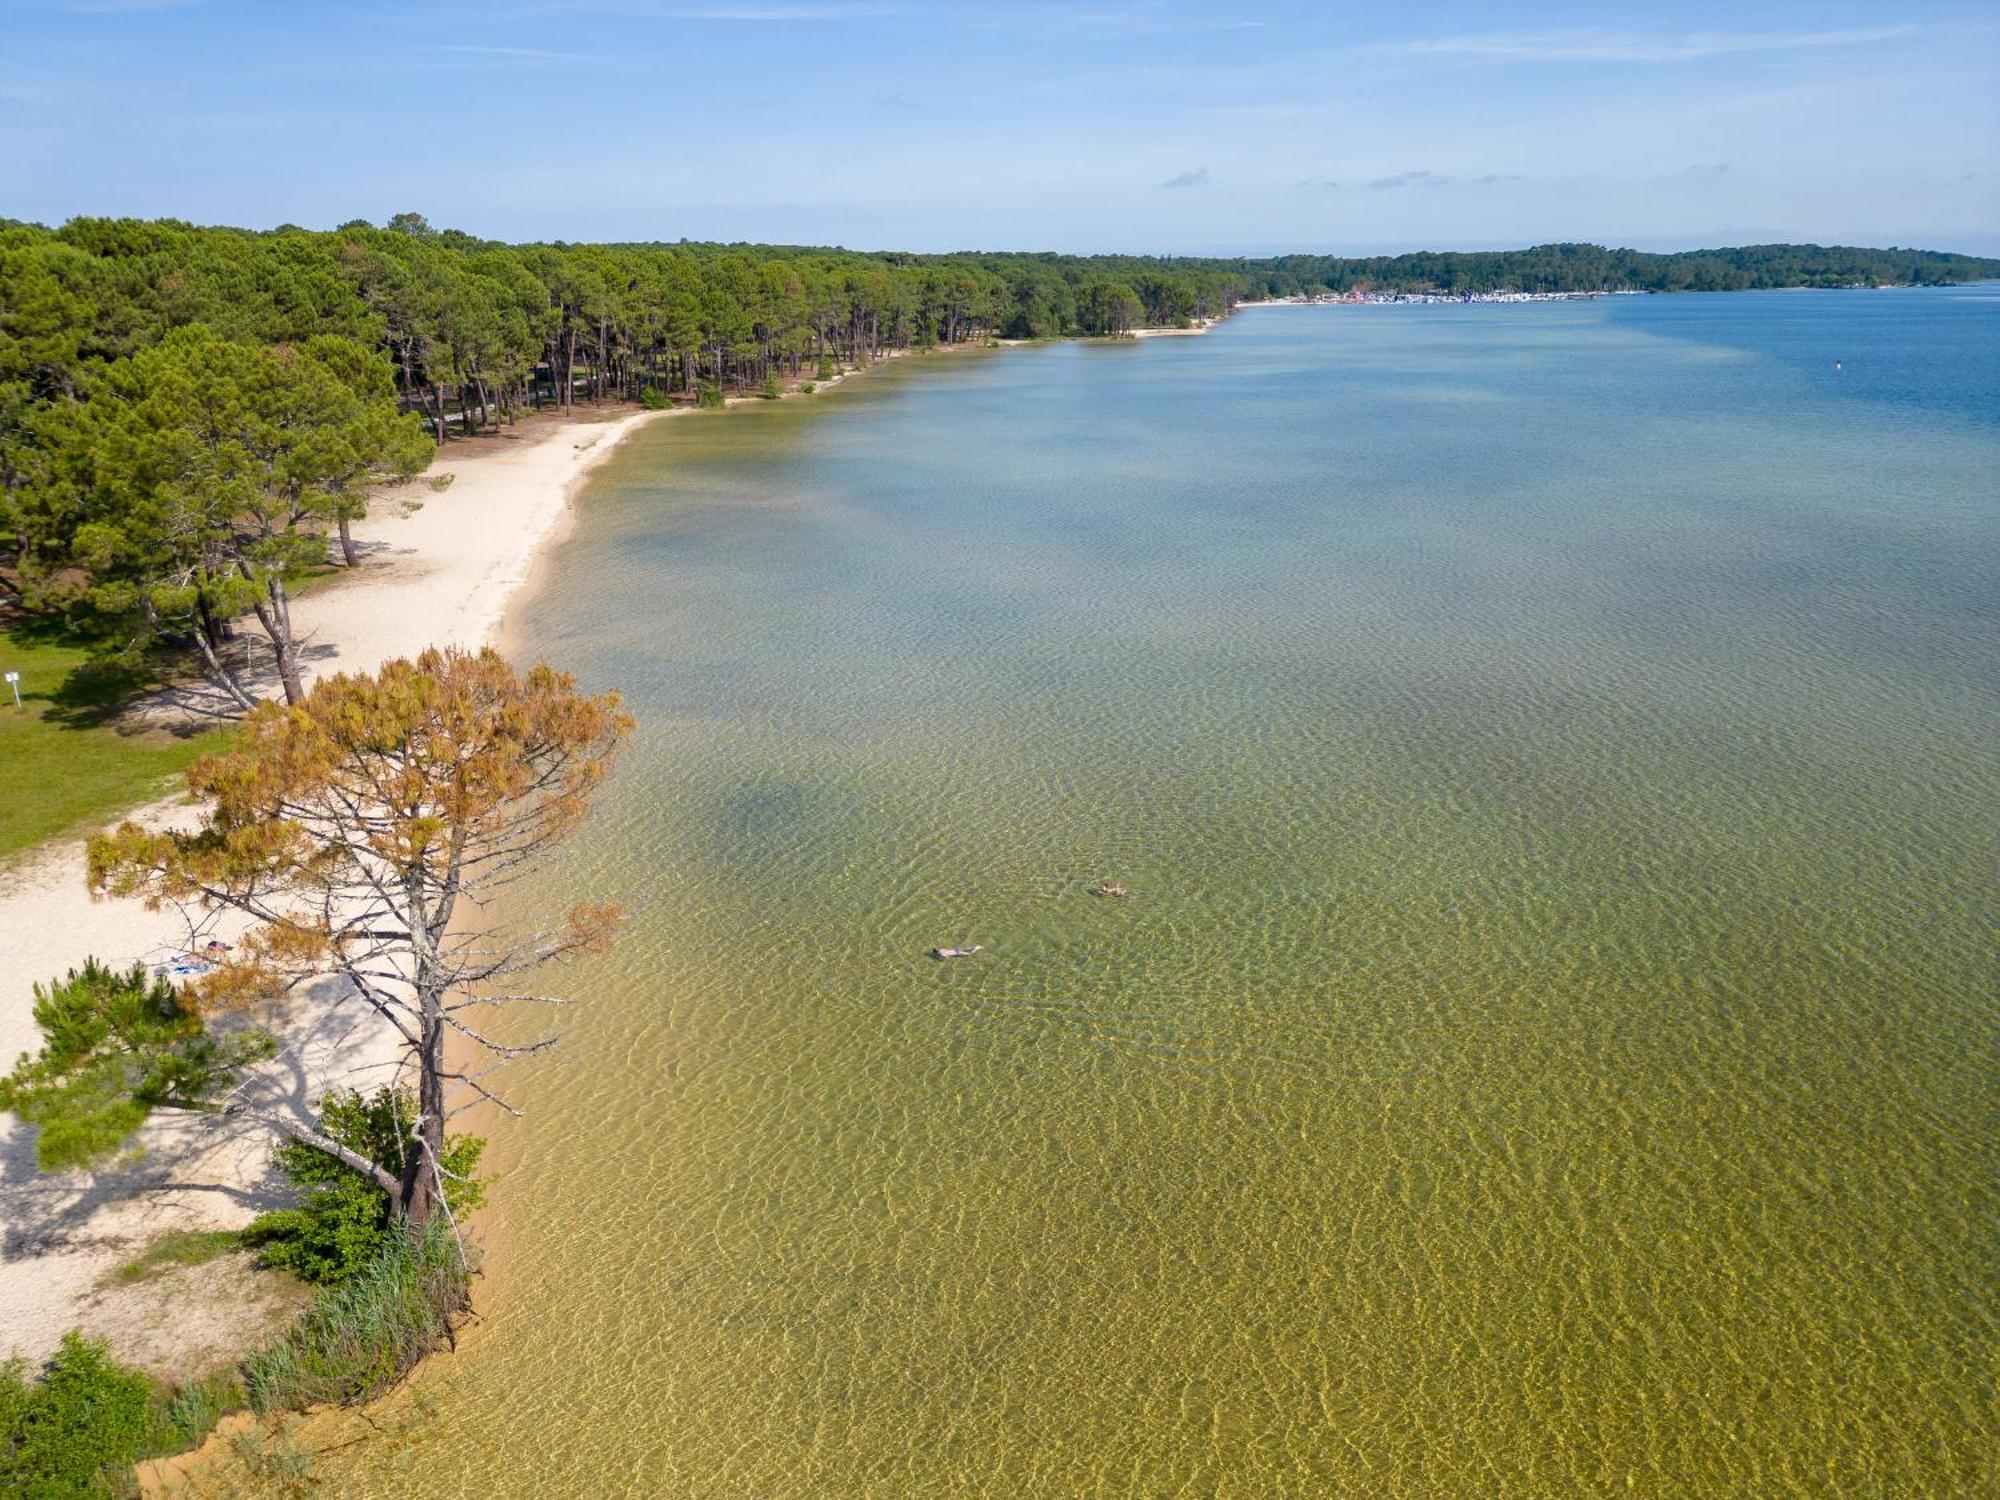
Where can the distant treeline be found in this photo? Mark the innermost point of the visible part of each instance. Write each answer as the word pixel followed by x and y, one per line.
pixel 473 330
pixel 1592 268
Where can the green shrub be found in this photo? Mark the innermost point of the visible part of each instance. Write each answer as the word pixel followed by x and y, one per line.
pixel 770 390
pixel 115 1047
pixel 654 399
pixel 71 1431
pixel 341 1221
pixel 708 395
pixel 827 368
pixel 79 1429
pixel 362 1336
pixel 808 388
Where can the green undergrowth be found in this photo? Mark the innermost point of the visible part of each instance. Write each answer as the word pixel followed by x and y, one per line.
pixel 80 1428
pixel 67 762
pixel 341 1221
pixel 385 1300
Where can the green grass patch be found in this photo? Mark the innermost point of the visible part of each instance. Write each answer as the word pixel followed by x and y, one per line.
pixel 67 765
pixel 182 1248
pixel 309 582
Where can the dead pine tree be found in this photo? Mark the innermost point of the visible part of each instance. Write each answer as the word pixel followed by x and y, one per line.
pixel 365 830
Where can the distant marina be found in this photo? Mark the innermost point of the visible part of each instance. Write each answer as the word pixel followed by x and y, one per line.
pixel 1358 298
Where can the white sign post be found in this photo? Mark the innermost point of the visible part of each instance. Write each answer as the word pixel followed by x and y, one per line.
pixel 14 682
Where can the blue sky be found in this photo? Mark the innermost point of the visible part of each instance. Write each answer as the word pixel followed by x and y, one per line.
pixel 1142 125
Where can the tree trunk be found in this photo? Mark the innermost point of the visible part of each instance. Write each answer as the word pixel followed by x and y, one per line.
pixel 421 1192
pixel 217 671
pixel 285 1125
pixel 347 553
pixel 274 613
pixel 205 621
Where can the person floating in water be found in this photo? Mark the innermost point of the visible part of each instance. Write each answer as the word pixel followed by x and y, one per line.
pixel 1107 888
pixel 955 952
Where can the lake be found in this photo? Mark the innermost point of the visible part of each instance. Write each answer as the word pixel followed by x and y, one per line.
pixel 1549 1045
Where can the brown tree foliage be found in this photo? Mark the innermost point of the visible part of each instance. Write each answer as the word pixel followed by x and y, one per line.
pixel 365 830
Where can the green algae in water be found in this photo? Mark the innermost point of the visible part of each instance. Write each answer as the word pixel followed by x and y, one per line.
pixel 1549 1043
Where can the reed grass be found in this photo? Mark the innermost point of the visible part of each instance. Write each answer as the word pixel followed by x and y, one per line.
pixel 363 1335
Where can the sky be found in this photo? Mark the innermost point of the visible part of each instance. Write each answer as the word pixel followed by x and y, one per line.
pixel 1161 126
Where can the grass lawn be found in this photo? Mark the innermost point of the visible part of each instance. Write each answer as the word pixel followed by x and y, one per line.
pixel 62 765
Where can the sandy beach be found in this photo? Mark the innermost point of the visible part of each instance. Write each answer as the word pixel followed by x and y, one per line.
pixel 1200 326
pixel 441 563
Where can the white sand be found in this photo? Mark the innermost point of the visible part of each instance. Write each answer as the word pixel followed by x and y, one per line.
pixel 1197 327
pixel 439 568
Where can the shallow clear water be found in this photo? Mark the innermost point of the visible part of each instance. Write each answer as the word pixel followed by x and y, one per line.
pixel 1550 1043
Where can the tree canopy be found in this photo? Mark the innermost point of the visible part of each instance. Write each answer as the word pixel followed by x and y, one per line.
pixel 205 479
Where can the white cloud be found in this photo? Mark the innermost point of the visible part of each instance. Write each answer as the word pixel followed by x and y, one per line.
pixel 1411 179
pixel 1592 45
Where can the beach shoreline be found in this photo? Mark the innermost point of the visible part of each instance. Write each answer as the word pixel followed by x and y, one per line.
pixel 446 560
pixel 1193 330
pixel 439 567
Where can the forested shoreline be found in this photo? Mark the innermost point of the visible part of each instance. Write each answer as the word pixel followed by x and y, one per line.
pixel 1592 268
pixel 473 330
pixel 190 417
